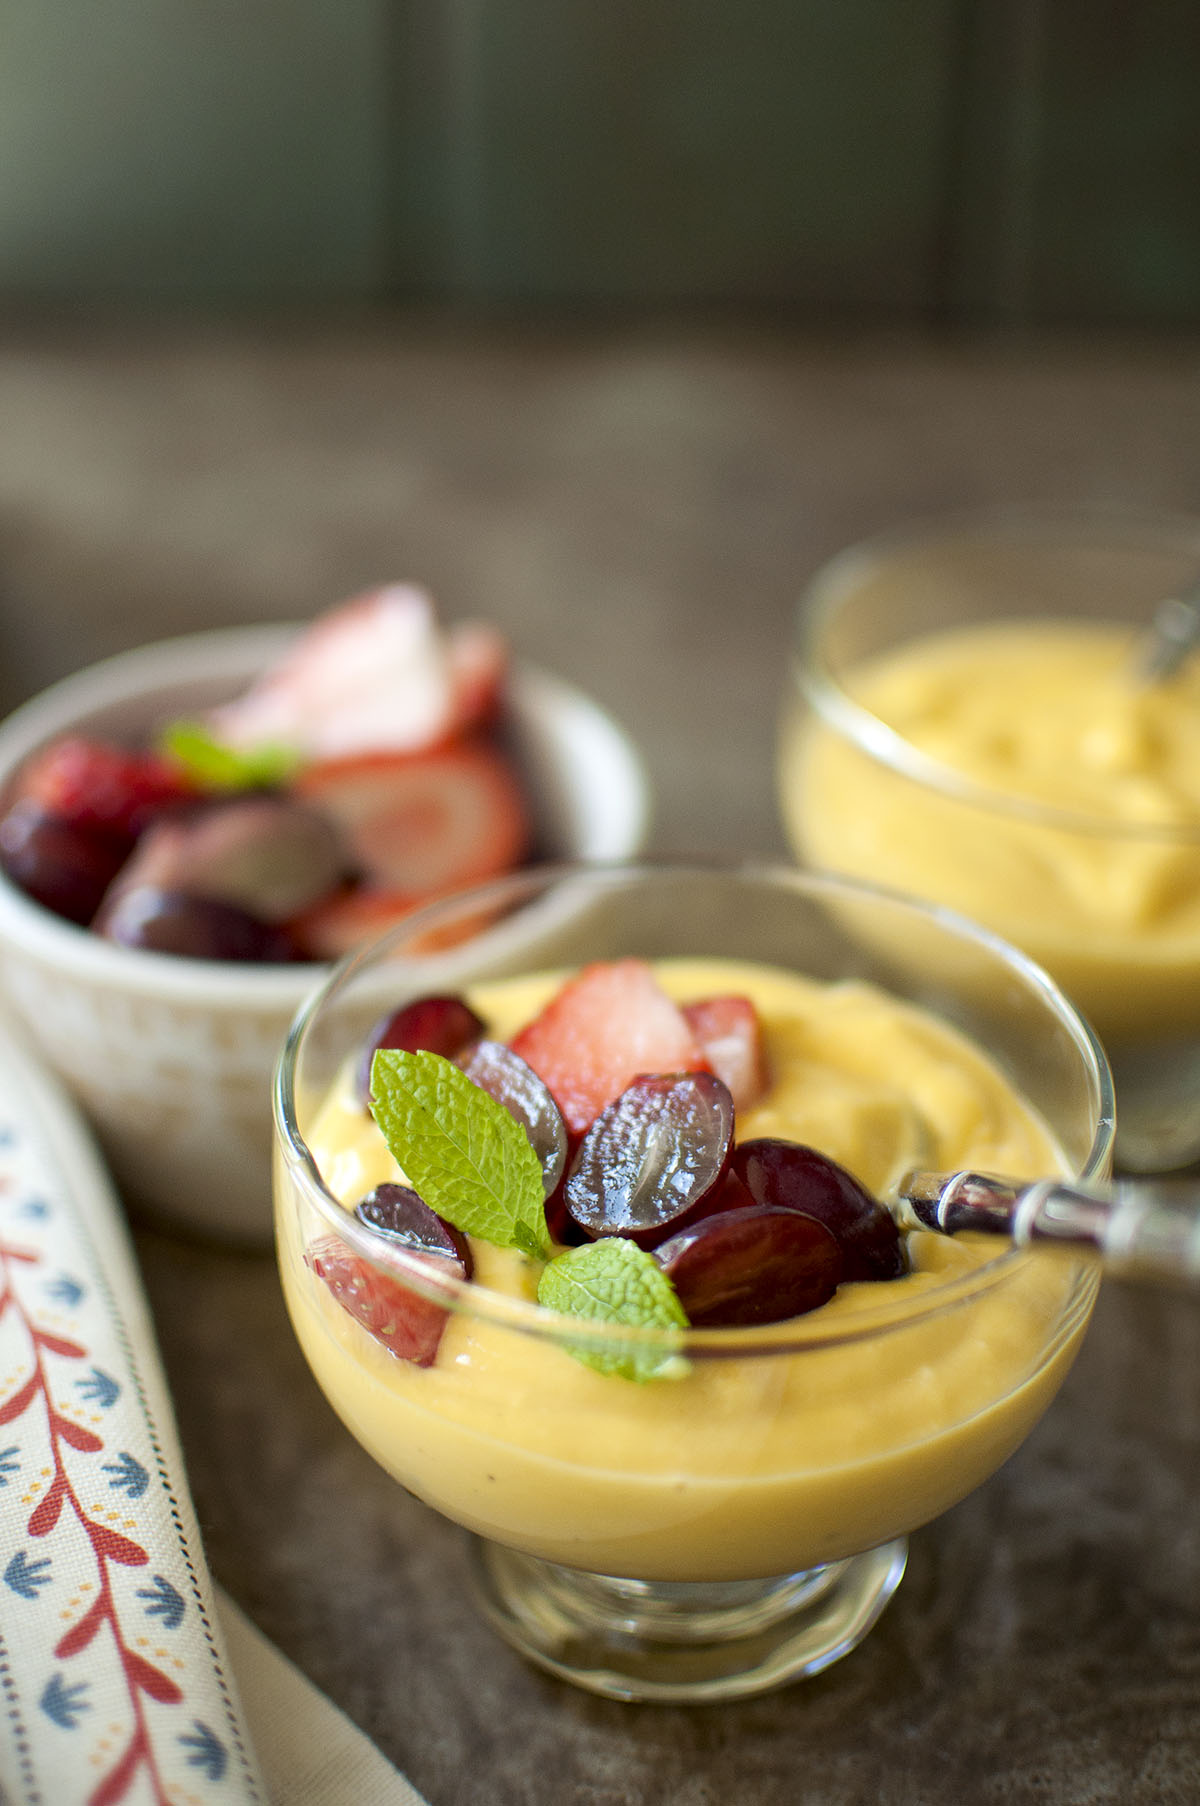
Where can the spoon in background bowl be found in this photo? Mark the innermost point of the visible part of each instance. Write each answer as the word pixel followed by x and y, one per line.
pixel 1138 1229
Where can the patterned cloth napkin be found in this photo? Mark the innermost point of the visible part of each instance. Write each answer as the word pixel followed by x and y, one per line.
pixel 115 1677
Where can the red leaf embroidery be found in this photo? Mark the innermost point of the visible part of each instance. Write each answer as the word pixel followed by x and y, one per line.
pixel 19 1400
pixel 20 1254
pixel 76 1435
pixel 49 1509
pixel 82 1633
pixel 116 1548
pixel 59 1345
pixel 150 1680
pixel 116 1784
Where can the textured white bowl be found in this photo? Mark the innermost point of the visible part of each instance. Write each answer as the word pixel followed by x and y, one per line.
pixel 172 1058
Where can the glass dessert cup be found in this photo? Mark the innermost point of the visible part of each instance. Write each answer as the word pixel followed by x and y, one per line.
pixel 1107 901
pixel 739 1519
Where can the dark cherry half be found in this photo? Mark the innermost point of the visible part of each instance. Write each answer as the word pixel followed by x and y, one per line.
pixel 652 1158
pixel 441 1025
pixel 786 1175
pixel 505 1076
pixel 757 1265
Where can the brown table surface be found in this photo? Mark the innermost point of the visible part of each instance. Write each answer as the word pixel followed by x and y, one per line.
pixel 637 506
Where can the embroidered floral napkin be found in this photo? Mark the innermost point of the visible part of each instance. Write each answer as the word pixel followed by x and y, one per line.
pixel 115 1679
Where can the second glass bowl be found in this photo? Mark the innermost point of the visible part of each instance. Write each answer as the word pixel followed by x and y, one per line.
pixel 1090 862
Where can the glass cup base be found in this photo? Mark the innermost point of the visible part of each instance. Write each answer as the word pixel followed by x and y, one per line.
pixel 674 1641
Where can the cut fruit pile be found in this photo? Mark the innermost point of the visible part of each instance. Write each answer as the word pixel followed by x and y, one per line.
pixel 629 1103
pixel 363 774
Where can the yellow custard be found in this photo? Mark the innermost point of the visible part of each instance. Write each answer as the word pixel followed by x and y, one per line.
pixel 753 1463
pixel 1043 715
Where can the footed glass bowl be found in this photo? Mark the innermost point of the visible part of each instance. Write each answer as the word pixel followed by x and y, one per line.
pixel 739 1519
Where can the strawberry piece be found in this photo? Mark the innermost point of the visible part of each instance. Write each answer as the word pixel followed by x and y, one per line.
pixel 478 663
pixel 407 1325
pixel 371 675
pixel 93 785
pixel 730 1037
pixel 427 822
pixel 607 1026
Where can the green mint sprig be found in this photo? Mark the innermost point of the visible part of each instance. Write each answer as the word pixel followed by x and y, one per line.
pixel 615 1281
pixel 467 1157
pixel 215 766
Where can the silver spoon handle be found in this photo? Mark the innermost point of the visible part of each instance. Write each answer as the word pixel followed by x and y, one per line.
pixel 1174 632
pixel 1132 1225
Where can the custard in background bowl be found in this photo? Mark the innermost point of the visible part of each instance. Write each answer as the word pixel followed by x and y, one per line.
pixel 171 1055
pixel 966 722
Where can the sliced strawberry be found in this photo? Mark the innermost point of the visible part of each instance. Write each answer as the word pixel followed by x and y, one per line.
pixel 371 675
pixel 91 784
pixel 730 1036
pixel 426 822
pixel 478 660
pixel 407 1325
pixel 607 1026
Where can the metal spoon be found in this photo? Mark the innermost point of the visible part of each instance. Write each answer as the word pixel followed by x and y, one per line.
pixel 1137 1229
pixel 1174 632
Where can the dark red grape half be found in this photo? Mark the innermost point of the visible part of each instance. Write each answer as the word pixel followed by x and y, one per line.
pixel 399 1213
pixel 440 1024
pixel 652 1157
pixel 504 1075
pixel 163 921
pixel 757 1265
pixel 789 1176
pixel 64 867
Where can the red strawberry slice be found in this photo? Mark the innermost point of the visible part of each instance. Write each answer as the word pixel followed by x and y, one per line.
pixel 426 822
pixel 478 662
pixel 407 1325
pixel 730 1036
pixel 91 784
pixel 607 1026
pixel 371 675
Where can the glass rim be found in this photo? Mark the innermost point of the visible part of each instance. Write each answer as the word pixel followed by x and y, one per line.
pixel 790 1336
pixel 828 589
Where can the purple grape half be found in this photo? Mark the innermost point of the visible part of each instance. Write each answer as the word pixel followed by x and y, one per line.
pixel 786 1175
pixel 505 1076
pixel 757 1265
pixel 397 1212
pixel 441 1025
pixel 652 1158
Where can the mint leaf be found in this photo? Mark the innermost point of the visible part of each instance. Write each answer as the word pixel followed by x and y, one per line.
pixel 468 1158
pixel 614 1281
pixel 215 766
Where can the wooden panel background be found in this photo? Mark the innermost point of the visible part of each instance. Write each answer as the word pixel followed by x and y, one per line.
pixel 940 160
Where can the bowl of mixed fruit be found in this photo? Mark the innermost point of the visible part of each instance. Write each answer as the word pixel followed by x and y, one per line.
pixel 191 831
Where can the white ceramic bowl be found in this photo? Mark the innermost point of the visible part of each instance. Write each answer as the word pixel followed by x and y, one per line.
pixel 172 1058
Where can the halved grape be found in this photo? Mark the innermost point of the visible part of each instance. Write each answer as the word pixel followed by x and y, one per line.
pixel 438 1024
pixel 163 921
pixel 652 1157
pixel 399 1213
pixel 757 1265
pixel 64 867
pixel 789 1176
pixel 504 1075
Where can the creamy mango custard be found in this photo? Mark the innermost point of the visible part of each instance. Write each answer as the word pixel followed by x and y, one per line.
pixel 800 1443
pixel 1038 716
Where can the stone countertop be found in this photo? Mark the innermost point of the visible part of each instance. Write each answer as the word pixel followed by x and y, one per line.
pixel 637 506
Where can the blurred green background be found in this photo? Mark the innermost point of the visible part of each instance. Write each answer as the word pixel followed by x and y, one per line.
pixel 971 161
